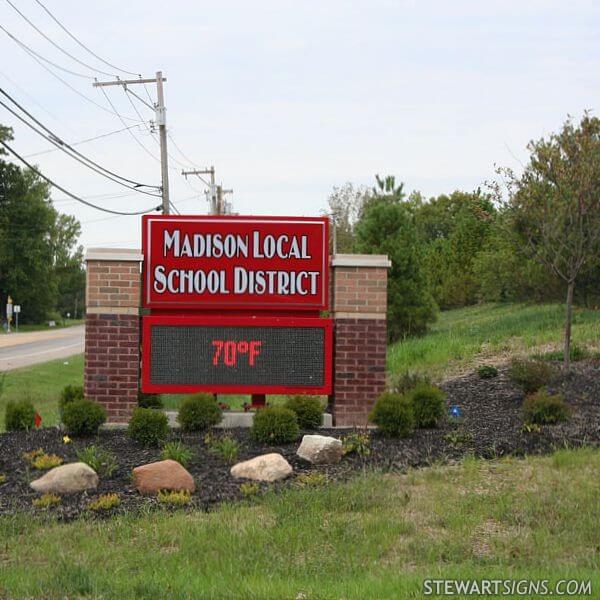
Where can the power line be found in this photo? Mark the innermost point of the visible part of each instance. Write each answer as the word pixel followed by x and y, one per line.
pixel 81 43
pixel 54 43
pixel 61 145
pixel 64 191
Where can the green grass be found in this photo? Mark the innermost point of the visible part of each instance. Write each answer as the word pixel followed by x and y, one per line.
pixel 44 326
pixel 42 385
pixel 465 336
pixel 376 536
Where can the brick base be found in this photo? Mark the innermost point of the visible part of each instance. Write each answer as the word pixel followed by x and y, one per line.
pixel 112 363
pixel 359 369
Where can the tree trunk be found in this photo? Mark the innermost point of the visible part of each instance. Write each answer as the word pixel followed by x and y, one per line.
pixel 567 349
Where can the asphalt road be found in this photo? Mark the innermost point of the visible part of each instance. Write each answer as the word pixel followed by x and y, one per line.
pixel 24 349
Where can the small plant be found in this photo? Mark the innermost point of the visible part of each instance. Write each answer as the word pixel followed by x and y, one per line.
pixel 531 375
pixel 428 404
pixel 393 414
pixel 357 442
pixel 406 381
pixel 105 502
pixel 150 400
pixel 173 498
pixel 543 408
pixel 275 425
pixel 225 446
pixel 458 438
pixel 148 427
pixel 530 428
pixel 487 372
pixel 70 393
pixel 102 461
pixel 33 454
pixel 19 416
pixel 308 409
pixel 45 462
pixel 177 451
pixel 198 412
pixel 455 415
pixel 83 417
pixel 313 479
pixel 2 479
pixel 46 501
pixel 249 489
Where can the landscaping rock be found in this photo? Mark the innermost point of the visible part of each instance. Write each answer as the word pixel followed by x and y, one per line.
pixel 320 449
pixel 162 475
pixel 268 467
pixel 67 479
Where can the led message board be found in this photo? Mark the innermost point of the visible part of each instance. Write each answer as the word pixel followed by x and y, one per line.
pixel 237 354
pixel 233 262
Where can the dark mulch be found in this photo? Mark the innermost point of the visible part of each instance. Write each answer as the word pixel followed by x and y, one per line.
pixel 491 427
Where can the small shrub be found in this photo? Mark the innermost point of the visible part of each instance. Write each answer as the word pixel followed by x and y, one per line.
pixel 393 414
pixel 173 498
pixel 275 425
pixel 105 502
pixel 33 454
pixel 225 446
pixel 530 428
pixel 543 408
pixel 148 427
pixel 458 438
pixel 249 489
pixel 178 452
pixel 487 372
pixel 102 461
pixel 44 462
pixel 70 393
pixel 83 417
pixel 314 479
pixel 19 416
pixel 46 501
pixel 198 412
pixel 406 381
pixel 428 404
pixel 150 400
pixel 2 479
pixel 357 443
pixel 308 409
pixel 531 375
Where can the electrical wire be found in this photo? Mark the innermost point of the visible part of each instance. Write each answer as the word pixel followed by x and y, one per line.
pixel 81 43
pixel 64 191
pixel 61 145
pixel 54 43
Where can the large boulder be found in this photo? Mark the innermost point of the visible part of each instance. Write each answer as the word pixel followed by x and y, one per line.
pixel 67 479
pixel 320 449
pixel 268 467
pixel 162 475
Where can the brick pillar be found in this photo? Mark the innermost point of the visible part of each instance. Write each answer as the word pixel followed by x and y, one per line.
pixel 358 304
pixel 112 330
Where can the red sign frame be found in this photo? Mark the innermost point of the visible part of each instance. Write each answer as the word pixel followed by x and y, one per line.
pixel 307 268
pixel 236 321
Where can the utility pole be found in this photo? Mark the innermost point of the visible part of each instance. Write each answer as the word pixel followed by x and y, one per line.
pixel 161 121
pixel 212 193
pixel 221 203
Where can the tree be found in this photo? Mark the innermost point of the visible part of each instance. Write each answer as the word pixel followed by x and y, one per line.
pixel 554 205
pixel 386 226
pixel 345 203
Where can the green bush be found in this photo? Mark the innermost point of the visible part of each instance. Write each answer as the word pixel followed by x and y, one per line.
pixel 308 409
pixel 393 414
pixel 69 394
pixel 487 372
pixel 177 451
pixel 19 416
pixel 406 381
pixel 150 400
pixel 275 425
pixel 543 408
pixel 531 375
pixel 148 427
pixel 198 412
pixel 428 404
pixel 83 417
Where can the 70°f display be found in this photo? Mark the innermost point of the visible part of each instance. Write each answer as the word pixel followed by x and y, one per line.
pixel 237 354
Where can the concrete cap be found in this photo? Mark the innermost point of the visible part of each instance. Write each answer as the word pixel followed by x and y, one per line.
pixel 361 260
pixel 114 254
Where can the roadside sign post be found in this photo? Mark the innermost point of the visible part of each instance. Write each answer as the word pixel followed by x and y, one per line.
pixel 17 310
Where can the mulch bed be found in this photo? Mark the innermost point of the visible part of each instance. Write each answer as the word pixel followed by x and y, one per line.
pixel 490 427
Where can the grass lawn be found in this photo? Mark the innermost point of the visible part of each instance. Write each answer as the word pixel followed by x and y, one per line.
pixel 463 337
pixel 377 536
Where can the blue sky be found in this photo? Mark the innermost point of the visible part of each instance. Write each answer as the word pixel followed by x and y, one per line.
pixel 288 99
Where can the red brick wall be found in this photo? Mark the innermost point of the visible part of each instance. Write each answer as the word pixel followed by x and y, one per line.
pixel 112 363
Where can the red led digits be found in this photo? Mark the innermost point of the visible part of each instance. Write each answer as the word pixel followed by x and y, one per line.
pixel 227 351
